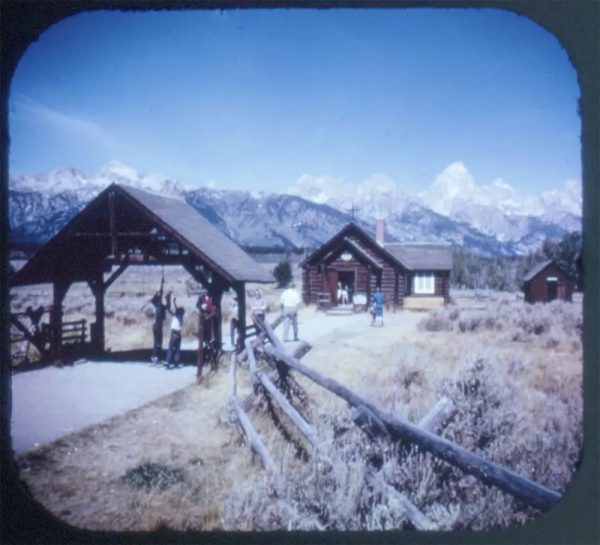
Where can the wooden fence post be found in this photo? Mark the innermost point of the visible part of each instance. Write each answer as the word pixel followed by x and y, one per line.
pixel 200 353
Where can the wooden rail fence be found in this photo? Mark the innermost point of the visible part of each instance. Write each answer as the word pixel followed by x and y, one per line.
pixel 373 419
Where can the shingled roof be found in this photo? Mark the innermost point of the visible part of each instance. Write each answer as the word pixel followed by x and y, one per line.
pixel 536 270
pixel 174 216
pixel 427 257
pixel 202 236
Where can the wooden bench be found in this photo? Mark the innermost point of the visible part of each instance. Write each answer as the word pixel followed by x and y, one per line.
pixel 74 333
pixel 323 301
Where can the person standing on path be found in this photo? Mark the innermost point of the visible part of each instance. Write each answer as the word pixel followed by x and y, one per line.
pixel 290 299
pixel 174 352
pixel 157 327
pixel 259 306
pixel 378 301
pixel 234 323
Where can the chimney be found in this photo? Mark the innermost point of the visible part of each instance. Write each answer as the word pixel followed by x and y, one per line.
pixel 379 230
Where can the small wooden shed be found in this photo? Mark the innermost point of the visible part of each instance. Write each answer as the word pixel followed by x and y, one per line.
pixel 546 282
pixel 124 227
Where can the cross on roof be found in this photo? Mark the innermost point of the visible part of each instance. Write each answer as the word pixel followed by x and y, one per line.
pixel 353 209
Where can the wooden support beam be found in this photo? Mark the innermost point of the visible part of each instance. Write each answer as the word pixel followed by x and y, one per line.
pixel 59 290
pixel 488 472
pixel 305 428
pixel 216 293
pixel 105 234
pixel 240 292
pixel 122 266
pixel 200 351
pixel 197 275
pixel 112 223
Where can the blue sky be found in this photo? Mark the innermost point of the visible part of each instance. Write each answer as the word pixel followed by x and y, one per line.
pixel 257 98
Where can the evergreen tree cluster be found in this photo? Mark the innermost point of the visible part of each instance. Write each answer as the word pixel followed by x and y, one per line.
pixel 283 273
pixel 506 273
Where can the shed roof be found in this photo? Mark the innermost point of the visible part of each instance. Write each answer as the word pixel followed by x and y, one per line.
pixel 177 218
pixel 429 257
pixel 540 267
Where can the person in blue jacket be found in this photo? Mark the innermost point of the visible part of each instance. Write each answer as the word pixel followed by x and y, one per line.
pixel 378 307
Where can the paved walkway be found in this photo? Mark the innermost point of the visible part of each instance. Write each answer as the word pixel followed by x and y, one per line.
pixel 52 402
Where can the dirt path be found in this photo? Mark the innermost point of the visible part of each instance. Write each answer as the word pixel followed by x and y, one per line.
pixel 356 345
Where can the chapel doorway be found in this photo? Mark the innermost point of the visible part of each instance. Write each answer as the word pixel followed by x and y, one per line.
pixel 348 281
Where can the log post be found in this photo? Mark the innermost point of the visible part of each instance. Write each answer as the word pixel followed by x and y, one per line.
pixel 59 289
pixel 240 292
pixel 200 352
pixel 488 472
pixel 97 286
pixel 305 428
pixel 216 294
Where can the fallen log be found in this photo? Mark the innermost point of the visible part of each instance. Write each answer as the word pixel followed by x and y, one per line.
pixel 488 472
pixel 305 428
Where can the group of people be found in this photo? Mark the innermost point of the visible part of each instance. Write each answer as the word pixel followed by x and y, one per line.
pixel 205 306
pixel 289 303
pixel 344 294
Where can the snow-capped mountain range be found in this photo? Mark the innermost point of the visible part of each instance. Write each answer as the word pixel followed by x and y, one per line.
pixel 493 219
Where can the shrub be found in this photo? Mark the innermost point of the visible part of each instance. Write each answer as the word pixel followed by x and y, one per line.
pixel 438 320
pixel 152 475
pixel 283 273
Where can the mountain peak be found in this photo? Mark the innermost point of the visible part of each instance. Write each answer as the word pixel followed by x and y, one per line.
pixel 116 168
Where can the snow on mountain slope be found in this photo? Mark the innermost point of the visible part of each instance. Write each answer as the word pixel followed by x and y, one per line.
pixel 493 219
pixel 378 196
pixel 455 192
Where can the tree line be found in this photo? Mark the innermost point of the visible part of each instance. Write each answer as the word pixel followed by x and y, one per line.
pixel 506 273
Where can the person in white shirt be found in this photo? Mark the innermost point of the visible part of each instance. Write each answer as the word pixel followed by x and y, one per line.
pixel 234 322
pixel 174 351
pixel 290 299
pixel 259 306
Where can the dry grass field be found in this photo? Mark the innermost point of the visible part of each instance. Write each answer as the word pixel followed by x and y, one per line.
pixel 513 372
